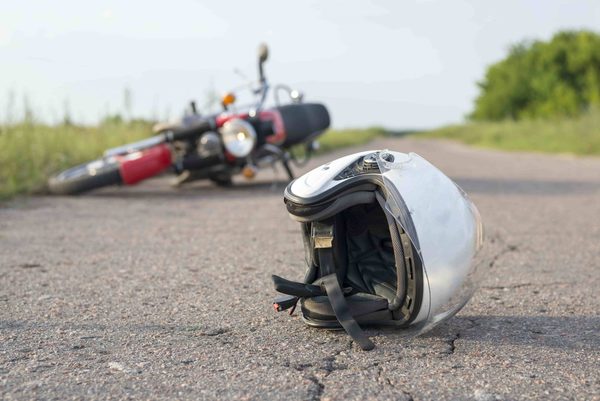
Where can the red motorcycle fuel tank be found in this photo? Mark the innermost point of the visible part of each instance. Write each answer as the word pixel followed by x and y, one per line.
pixel 138 166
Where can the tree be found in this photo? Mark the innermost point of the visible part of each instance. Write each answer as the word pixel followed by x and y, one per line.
pixel 543 79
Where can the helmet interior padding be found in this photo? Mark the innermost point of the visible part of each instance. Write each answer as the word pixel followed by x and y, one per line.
pixel 369 263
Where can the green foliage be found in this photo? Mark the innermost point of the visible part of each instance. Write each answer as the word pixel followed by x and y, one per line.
pixel 543 79
pixel 31 152
pixel 577 135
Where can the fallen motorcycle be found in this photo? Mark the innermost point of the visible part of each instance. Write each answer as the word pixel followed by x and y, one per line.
pixel 216 147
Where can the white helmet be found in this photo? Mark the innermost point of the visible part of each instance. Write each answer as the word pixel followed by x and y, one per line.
pixel 389 240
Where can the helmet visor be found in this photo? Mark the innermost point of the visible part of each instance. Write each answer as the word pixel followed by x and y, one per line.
pixel 445 229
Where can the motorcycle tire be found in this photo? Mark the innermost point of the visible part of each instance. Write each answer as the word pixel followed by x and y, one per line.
pixel 85 177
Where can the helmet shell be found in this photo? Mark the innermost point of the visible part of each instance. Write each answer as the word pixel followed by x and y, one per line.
pixel 442 223
pixel 446 230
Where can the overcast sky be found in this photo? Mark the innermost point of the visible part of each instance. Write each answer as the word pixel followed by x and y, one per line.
pixel 393 63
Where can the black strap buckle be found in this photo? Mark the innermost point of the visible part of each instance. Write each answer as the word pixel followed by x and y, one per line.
pixel 285 302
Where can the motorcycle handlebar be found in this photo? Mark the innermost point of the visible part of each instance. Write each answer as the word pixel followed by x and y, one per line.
pixel 183 133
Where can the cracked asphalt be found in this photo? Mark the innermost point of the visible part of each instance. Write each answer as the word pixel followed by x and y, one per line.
pixel 149 292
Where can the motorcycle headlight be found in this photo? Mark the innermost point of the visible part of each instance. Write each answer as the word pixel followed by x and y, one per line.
pixel 239 137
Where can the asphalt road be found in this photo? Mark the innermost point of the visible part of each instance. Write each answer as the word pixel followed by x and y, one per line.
pixel 155 293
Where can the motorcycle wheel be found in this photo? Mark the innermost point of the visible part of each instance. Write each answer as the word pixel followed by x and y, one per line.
pixel 85 177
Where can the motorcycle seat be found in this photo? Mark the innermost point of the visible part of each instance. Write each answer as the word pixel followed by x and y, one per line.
pixel 303 121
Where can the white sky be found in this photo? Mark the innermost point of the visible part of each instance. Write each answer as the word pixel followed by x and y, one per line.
pixel 399 64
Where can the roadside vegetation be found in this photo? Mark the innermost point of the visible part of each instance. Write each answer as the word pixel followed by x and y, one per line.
pixel 558 78
pixel 544 96
pixel 577 135
pixel 31 152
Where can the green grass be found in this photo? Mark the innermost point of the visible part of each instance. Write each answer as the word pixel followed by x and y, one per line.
pixel 30 153
pixel 579 135
pixel 335 139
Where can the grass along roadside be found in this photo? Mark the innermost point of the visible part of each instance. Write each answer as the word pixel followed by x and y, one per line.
pixel 341 138
pixel 579 135
pixel 30 153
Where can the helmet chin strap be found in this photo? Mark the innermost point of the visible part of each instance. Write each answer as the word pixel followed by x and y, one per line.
pixel 323 239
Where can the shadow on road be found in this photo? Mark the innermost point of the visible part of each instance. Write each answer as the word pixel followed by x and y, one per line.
pixel 566 332
pixel 501 186
pixel 162 189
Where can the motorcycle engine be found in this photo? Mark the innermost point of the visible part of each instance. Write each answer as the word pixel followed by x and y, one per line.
pixel 209 144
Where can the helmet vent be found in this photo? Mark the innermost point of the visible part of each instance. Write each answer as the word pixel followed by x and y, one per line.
pixel 369 164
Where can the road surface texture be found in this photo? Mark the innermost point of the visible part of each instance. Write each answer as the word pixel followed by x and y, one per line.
pixel 150 292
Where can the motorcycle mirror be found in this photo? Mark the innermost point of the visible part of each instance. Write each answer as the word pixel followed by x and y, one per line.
pixel 193 107
pixel 263 52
